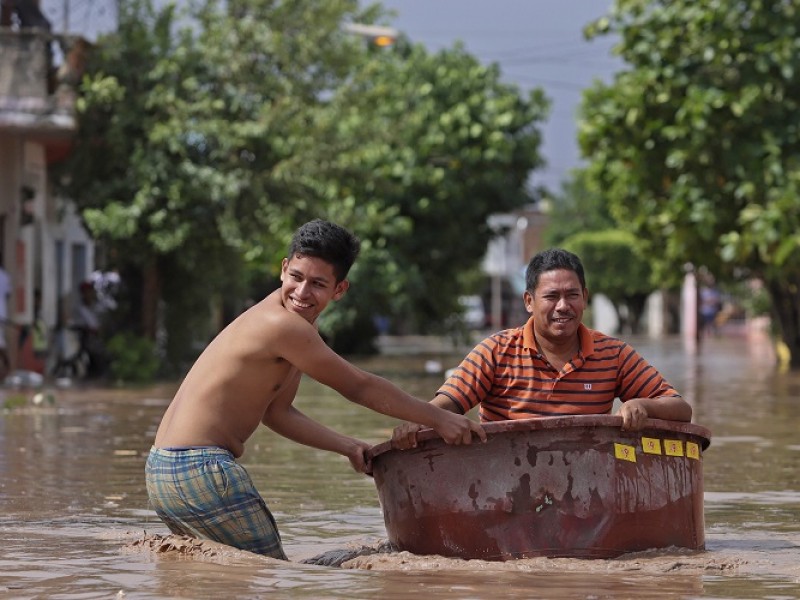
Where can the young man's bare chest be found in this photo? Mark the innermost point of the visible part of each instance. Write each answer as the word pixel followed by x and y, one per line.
pixel 281 378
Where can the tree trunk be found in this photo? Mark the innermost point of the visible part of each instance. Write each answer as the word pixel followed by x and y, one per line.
pixel 785 294
pixel 622 318
pixel 151 293
pixel 636 304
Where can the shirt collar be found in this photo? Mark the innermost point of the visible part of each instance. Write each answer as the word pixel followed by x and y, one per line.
pixel 584 333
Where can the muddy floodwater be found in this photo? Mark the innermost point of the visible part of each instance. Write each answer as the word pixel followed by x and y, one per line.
pixel 75 524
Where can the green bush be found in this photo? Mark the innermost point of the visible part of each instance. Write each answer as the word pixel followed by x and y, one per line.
pixel 133 358
pixel 758 303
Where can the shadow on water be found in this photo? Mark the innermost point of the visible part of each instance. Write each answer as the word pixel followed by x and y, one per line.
pixel 73 499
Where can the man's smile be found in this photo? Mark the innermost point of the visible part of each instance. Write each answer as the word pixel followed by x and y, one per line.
pixel 298 303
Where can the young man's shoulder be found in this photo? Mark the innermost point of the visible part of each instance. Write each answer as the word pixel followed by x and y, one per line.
pixel 267 315
pixel 272 319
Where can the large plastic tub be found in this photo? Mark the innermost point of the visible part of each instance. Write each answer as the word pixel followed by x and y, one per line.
pixel 563 486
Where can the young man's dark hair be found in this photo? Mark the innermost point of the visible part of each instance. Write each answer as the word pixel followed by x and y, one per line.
pixel 328 241
pixel 550 260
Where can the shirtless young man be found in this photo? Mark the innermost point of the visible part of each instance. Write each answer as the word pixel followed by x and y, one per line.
pixel 249 374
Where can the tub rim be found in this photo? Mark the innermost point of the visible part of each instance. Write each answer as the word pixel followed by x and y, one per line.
pixel 543 423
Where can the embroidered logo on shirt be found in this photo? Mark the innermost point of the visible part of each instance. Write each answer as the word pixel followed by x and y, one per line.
pixel 587 386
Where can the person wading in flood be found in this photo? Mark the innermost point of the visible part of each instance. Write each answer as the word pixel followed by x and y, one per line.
pixel 249 374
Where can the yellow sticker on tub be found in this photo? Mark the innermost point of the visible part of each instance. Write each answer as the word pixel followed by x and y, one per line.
pixel 673 447
pixel 693 450
pixel 651 445
pixel 624 452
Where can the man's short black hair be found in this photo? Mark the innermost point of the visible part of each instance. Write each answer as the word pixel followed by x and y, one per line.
pixel 550 260
pixel 330 242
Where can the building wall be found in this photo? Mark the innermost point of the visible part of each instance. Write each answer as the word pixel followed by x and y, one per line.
pixel 10 169
pixel 45 246
pixel 28 215
pixel 47 249
pixel 25 63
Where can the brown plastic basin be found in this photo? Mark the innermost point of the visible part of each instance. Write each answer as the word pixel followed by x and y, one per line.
pixel 563 486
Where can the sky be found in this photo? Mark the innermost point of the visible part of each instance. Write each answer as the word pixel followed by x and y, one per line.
pixel 537 43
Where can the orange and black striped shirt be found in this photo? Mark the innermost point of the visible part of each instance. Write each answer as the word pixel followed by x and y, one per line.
pixel 510 379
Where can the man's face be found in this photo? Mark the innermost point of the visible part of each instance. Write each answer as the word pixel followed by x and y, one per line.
pixel 557 305
pixel 308 284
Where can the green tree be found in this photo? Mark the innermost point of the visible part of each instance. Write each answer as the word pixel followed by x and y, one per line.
pixel 441 143
pixel 577 208
pixel 579 221
pixel 615 268
pixel 696 143
pixel 132 181
pixel 239 121
pixel 189 126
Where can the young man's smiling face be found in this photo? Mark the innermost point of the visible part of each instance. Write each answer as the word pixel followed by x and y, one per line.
pixel 308 284
pixel 557 305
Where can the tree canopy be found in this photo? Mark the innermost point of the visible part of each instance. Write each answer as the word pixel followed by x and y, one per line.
pixel 206 138
pixel 696 143
pixel 615 265
pixel 442 143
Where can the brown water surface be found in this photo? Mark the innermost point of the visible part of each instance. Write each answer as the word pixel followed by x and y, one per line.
pixel 73 507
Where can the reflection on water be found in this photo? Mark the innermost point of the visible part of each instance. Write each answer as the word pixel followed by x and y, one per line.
pixel 72 496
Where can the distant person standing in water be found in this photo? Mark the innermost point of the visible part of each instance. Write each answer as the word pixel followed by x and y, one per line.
pixel 249 375
pixel 710 307
pixel 87 321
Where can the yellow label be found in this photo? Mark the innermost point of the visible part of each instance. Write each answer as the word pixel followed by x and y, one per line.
pixel 651 445
pixel 693 450
pixel 624 452
pixel 673 447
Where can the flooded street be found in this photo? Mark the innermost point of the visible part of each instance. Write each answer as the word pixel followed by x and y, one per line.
pixel 74 505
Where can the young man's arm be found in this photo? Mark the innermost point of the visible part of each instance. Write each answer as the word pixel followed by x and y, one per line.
pixel 286 420
pixel 669 408
pixel 405 435
pixel 301 345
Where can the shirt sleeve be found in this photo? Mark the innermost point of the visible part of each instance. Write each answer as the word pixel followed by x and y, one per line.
pixel 472 380
pixel 637 378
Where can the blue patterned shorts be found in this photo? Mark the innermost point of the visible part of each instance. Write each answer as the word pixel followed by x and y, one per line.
pixel 204 493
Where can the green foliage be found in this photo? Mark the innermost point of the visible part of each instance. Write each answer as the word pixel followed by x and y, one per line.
pixel 576 209
pixel 428 146
pixel 12 401
pixel 696 144
pixel 133 359
pixel 752 297
pixel 613 258
pixel 616 268
pixel 225 127
pixel 195 116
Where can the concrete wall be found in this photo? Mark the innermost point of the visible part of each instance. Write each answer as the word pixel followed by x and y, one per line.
pixel 24 63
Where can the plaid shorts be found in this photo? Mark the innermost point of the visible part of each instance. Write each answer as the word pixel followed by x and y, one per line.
pixel 204 493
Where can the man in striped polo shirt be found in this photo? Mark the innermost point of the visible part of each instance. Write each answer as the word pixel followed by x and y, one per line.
pixel 554 365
